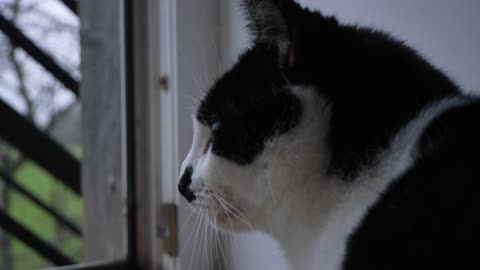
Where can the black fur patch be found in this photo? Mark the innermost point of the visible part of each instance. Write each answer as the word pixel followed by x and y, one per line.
pixel 427 219
pixel 251 104
pixel 375 83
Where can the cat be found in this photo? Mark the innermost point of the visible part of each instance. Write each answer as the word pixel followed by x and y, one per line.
pixel 341 142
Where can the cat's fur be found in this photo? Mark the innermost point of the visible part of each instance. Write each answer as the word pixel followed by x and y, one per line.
pixel 342 143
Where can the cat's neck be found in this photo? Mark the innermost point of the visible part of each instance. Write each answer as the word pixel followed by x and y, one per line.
pixel 302 217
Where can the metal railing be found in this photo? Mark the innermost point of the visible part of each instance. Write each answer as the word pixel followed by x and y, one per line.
pixel 22 134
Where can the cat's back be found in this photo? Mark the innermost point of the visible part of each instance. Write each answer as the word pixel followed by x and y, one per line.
pixel 428 217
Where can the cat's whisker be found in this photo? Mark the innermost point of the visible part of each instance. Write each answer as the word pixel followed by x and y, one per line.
pixel 190 238
pixel 203 239
pixel 230 205
pixel 213 251
pixel 185 248
pixel 211 246
pixel 218 58
pixel 220 246
pixel 230 208
pixel 209 251
pixel 227 245
pixel 215 243
pixel 194 250
pixel 182 227
pixel 233 242
pixel 227 214
pixel 226 208
pixel 210 238
pixel 205 243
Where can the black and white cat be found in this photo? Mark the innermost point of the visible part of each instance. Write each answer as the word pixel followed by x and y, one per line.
pixel 341 142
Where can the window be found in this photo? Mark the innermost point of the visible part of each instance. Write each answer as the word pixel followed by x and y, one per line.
pixel 40 149
pixel 48 190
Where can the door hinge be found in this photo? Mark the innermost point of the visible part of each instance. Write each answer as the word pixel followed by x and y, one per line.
pixel 168 229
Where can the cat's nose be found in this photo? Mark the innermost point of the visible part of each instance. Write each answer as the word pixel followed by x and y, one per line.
pixel 184 183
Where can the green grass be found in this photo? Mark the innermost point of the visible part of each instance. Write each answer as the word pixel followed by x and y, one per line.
pixel 47 188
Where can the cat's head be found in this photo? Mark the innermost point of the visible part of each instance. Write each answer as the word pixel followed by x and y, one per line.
pixel 260 129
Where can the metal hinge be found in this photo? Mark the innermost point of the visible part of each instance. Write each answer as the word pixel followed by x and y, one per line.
pixel 168 231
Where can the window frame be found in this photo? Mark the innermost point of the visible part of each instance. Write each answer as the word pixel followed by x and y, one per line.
pixel 127 95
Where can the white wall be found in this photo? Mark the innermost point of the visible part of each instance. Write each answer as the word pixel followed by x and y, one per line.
pixel 445 31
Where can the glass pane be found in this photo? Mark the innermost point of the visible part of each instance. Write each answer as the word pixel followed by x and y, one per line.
pixel 39 97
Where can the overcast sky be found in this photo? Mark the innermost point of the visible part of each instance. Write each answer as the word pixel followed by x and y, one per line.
pixel 55 29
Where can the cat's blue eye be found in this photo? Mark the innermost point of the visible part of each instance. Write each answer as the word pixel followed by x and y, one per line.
pixel 215 126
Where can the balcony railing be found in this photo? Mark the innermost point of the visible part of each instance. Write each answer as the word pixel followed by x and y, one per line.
pixel 35 144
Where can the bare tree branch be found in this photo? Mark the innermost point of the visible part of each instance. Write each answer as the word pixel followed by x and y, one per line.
pixel 22 88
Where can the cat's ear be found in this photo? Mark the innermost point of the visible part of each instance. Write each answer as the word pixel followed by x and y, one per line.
pixel 272 21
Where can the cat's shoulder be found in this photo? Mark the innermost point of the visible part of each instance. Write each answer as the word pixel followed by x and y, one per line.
pixel 430 211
